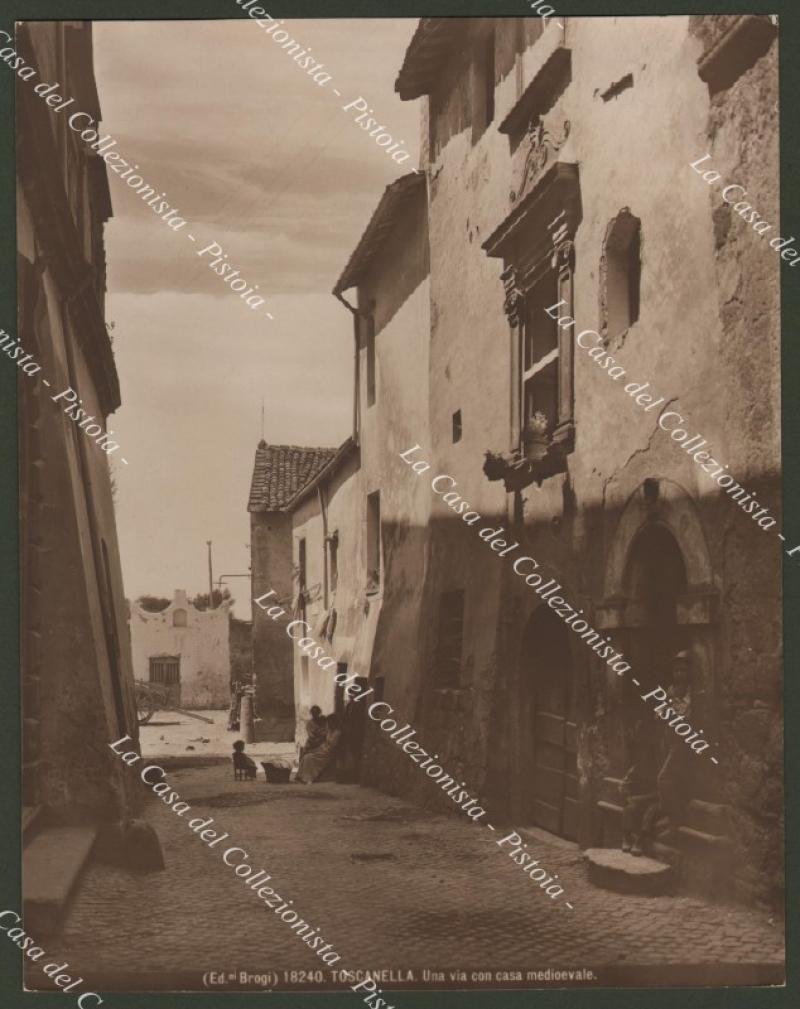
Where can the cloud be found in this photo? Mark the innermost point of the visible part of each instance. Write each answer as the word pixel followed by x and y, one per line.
pixel 267 164
pixel 253 154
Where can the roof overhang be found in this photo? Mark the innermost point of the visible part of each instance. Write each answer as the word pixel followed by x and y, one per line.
pixel 391 209
pixel 347 449
pixel 427 52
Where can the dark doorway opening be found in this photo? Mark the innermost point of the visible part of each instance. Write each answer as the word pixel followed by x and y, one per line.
pixel 165 670
pixel 549 728
pixel 655 579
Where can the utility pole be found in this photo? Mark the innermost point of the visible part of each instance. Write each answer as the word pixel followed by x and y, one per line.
pixel 210 578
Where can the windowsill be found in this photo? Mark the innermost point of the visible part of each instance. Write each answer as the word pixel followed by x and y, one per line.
pixel 517 472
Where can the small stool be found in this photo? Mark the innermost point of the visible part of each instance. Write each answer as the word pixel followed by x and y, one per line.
pixel 243 770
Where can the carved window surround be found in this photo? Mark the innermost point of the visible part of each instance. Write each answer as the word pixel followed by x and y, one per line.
pixel 536 239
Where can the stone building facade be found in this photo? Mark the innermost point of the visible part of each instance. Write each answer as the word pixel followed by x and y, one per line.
pixel 559 173
pixel 76 661
pixel 185 651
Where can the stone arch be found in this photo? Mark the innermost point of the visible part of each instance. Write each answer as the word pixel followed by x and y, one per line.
pixel 666 503
pixel 659 537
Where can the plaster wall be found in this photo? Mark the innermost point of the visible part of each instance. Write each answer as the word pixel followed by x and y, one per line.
pixel 203 646
pixel 344 502
pixel 271 552
pixel 706 340
pixel 78 689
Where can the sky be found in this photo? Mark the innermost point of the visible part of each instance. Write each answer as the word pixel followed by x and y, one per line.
pixel 260 159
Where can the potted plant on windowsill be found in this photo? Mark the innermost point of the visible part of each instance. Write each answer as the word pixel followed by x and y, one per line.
pixel 535 440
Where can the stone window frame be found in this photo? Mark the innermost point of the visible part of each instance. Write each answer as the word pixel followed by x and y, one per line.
pixel 537 237
pixel 558 263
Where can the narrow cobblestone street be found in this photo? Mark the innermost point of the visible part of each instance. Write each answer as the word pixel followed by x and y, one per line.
pixel 391 887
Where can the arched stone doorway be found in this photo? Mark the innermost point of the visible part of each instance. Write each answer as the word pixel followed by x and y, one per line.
pixel 655 581
pixel 659 599
pixel 548 729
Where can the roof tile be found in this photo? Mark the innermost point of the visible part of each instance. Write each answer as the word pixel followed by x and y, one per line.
pixel 281 472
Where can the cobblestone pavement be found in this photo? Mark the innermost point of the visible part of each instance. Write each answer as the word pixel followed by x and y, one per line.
pixel 390 886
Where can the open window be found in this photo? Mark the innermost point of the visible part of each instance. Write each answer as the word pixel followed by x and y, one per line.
pixel 302 567
pixel 540 360
pixel 333 559
pixel 620 275
pixel 535 241
pixel 374 541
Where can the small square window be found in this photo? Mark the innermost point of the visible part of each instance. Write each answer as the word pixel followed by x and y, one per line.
pixel 457 429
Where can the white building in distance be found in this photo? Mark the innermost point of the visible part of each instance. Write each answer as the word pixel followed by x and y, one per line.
pixel 185 650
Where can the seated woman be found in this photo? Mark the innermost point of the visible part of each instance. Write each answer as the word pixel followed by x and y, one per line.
pixel 316 729
pixel 314 763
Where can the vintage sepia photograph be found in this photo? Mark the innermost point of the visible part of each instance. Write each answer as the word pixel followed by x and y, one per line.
pixel 401 540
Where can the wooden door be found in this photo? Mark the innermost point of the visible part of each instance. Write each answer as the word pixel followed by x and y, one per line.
pixel 552 726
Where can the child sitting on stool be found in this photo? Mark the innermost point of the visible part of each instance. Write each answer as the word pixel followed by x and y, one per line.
pixel 243 766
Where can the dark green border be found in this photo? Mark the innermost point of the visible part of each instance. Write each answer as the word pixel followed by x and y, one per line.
pixel 11 995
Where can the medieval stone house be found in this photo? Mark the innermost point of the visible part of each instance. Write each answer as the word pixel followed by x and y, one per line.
pixel 557 171
pixel 558 165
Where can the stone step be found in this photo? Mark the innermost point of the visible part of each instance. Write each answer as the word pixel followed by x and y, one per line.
pixel 609 807
pixel 610 790
pixel 612 822
pixel 697 840
pixel 667 853
pixel 624 873
pixel 709 817
pixel 51 865
pixel 705 821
